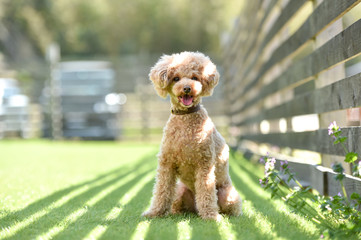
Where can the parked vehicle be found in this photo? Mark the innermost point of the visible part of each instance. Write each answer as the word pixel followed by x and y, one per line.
pixel 14 110
pixel 88 105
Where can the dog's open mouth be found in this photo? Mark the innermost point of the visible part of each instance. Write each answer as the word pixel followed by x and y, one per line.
pixel 186 99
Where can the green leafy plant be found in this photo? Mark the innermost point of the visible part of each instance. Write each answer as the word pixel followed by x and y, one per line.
pixel 300 199
pixel 350 157
pixel 337 216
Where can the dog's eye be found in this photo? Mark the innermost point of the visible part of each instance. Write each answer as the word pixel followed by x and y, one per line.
pixel 176 79
pixel 194 78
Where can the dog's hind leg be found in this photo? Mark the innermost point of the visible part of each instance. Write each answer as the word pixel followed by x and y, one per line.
pixel 184 200
pixel 229 200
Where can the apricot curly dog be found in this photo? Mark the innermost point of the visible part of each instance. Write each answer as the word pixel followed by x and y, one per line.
pixel 192 150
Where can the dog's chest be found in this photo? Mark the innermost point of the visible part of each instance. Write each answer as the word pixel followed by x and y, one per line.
pixel 187 140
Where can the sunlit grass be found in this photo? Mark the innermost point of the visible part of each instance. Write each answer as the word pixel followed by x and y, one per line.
pixel 141 230
pixel 184 230
pixel 98 190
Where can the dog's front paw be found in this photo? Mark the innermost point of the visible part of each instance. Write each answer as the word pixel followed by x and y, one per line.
pixel 149 214
pixel 152 214
pixel 216 217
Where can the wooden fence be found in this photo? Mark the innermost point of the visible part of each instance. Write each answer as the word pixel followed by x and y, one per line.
pixel 288 76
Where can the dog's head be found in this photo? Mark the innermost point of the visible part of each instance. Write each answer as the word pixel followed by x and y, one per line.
pixel 185 76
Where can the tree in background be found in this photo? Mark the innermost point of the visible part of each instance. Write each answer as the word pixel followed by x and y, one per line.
pixel 113 27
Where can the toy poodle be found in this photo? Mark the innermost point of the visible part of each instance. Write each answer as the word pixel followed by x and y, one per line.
pixel 192 172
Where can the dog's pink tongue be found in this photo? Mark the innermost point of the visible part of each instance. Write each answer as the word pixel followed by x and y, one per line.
pixel 187 100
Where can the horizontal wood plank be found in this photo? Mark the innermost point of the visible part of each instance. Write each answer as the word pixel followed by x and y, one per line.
pixel 343 94
pixel 344 46
pixel 242 49
pixel 324 15
pixel 292 7
pixel 317 141
pixel 318 177
pixel 251 26
pixel 351 184
pixel 234 40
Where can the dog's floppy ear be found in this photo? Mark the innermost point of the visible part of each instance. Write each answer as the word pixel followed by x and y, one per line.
pixel 159 75
pixel 210 78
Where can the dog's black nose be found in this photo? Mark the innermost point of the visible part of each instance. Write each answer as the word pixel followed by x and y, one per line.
pixel 187 89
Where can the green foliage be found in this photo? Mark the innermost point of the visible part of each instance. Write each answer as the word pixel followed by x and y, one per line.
pixel 351 157
pixel 336 216
pixel 337 168
pixel 113 27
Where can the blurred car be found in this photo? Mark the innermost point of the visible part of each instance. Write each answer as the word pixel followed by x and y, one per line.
pixel 14 109
pixel 89 107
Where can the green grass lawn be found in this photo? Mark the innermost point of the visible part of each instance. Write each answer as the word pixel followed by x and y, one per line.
pixel 98 190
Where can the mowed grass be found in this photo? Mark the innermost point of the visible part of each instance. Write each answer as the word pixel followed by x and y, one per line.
pixel 98 190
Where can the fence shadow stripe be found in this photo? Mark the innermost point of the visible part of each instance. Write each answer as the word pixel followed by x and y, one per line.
pixel 125 224
pixel 198 229
pixel 247 227
pixel 266 208
pixel 38 205
pixel 162 228
pixel 94 214
pixel 50 219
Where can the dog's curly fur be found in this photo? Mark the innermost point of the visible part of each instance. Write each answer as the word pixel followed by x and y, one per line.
pixel 192 149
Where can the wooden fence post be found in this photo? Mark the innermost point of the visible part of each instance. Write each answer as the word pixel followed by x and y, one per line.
pixel 326 78
pixel 55 93
pixel 143 93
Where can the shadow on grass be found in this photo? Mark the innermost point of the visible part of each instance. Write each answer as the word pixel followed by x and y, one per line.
pixel 266 209
pixel 22 214
pixel 162 228
pixel 96 215
pixel 202 229
pixel 57 214
pixel 167 227
pixel 125 224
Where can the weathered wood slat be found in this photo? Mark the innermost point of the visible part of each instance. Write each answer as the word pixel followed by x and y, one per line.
pixel 318 177
pixel 243 48
pixel 322 179
pixel 233 37
pixel 292 7
pixel 343 94
pixel 342 47
pixel 236 44
pixel 317 141
pixel 351 184
pixel 302 171
pixel 253 41
pixel 231 48
pixel 287 13
pixel 324 15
